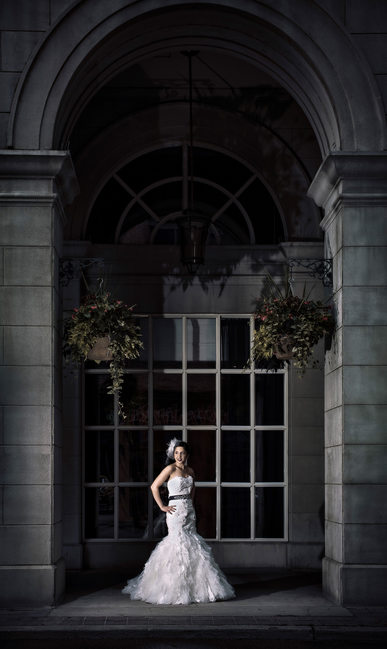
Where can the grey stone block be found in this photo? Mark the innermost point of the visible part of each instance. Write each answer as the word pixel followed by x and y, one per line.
pixel 364 266
pixel 365 424
pixel 361 20
pixel 364 305
pixel 58 7
pixel 306 528
pixel 333 465
pixel 365 345
pixel 25 465
pixel 4 119
pixel 27 345
pixel 365 504
pixel 334 389
pixel 17 47
pixel 22 305
pixel 27 545
pixel 58 541
pixel 1 505
pixel 72 499
pixel 58 503
pixel 331 579
pixel 364 464
pixel 307 469
pixel 374 47
pixel 1 345
pixel 1 266
pixel 27 586
pixel 306 441
pixel 334 236
pixel 26 385
pixel 72 529
pixel 304 555
pixel 25 225
pixel 311 414
pixel 364 585
pixel 27 504
pixel 8 81
pixel 27 425
pixel 22 14
pixel 365 544
pixel 334 355
pixel 311 384
pixel 334 541
pixel 365 226
pixel 334 426
pixel 365 384
pixel 73 556
pixel 30 266
pixel 334 503
pixel 337 270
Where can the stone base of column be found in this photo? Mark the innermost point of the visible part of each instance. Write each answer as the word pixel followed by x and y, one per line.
pixel 31 586
pixel 355 585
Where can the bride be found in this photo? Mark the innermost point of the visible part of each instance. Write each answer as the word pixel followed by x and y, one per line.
pixel 181 569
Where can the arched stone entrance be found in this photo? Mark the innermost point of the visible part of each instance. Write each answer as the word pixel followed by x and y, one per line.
pixel 307 52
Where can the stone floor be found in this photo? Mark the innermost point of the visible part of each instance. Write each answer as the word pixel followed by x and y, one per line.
pixel 272 609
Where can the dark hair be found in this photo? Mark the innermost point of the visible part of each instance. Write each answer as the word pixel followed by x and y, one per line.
pixel 184 445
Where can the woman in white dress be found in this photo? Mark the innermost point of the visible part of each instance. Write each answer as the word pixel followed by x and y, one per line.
pixel 181 569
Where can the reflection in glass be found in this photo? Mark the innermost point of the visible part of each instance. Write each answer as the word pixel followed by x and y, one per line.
pixel 235 342
pixel 167 406
pixel 235 507
pixel 201 409
pixel 99 406
pixel 134 398
pixel 201 347
pixel 269 512
pixel 269 456
pixel 99 456
pixel 235 400
pixel 99 512
pixel 133 458
pixel 235 456
pixel 132 512
pixel 269 399
pixel 203 454
pixel 161 439
pixel 167 342
pixel 205 508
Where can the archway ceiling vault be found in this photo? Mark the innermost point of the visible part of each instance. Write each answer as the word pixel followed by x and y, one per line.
pixel 298 44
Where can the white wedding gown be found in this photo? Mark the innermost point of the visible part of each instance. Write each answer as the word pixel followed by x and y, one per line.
pixel 181 569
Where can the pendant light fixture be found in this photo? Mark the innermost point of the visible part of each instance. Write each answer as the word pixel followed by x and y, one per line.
pixel 193 226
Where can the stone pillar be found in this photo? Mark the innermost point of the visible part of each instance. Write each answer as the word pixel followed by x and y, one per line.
pixel 34 187
pixel 352 189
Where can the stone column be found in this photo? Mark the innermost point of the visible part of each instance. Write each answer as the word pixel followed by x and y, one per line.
pixel 352 188
pixel 34 187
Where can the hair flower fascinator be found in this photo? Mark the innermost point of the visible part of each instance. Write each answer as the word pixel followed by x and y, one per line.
pixel 171 447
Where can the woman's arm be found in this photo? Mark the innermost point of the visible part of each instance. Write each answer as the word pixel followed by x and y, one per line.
pixel 192 473
pixel 155 486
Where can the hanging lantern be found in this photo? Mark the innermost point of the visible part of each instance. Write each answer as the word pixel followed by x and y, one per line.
pixel 193 232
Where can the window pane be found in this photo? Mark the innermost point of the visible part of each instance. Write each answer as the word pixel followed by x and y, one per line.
pixel 235 456
pixel 99 456
pixel 99 406
pixel 167 342
pixel 160 440
pixel 205 507
pixel 235 513
pixel 133 512
pixel 167 406
pixel 201 347
pixel 203 454
pixel 201 408
pixel 99 513
pixel 269 512
pixel 235 342
pixel 133 460
pixel 269 455
pixel 235 400
pixel 134 398
pixel 269 399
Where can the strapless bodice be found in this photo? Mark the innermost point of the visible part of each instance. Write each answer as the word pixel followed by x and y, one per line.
pixel 179 485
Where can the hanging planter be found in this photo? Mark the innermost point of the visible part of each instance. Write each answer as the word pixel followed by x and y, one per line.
pixel 100 350
pixel 103 329
pixel 289 327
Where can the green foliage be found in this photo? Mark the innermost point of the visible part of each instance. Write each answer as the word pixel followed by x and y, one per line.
pixel 100 316
pixel 282 318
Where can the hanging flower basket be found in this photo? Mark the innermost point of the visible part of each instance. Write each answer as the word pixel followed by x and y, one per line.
pixel 103 329
pixel 100 350
pixel 289 327
pixel 283 349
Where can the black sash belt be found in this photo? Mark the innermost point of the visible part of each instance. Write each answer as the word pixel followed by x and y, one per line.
pixel 185 496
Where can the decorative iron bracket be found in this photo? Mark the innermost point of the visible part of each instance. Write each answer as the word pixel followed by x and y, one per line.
pixel 71 268
pixel 320 268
